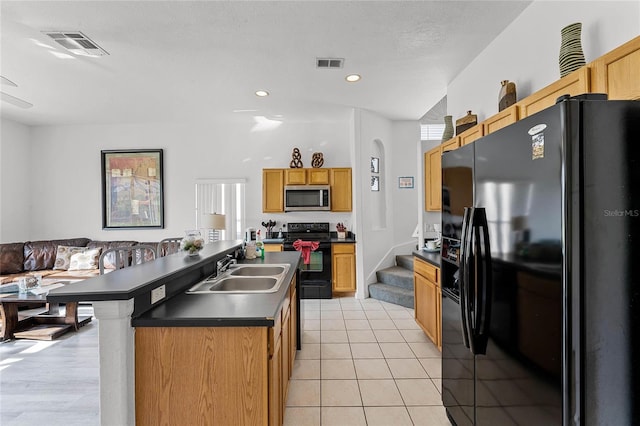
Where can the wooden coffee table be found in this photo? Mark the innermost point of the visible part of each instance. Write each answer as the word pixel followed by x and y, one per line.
pixel 43 326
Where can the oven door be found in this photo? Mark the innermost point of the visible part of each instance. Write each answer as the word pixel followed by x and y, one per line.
pixel 315 277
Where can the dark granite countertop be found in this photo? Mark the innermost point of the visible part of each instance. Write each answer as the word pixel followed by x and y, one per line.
pixel 129 283
pixel 223 310
pixel 431 257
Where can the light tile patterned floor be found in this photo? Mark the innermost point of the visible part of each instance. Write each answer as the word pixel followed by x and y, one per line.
pixel 364 362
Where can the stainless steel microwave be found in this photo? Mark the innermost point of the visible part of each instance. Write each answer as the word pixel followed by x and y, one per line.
pixel 307 198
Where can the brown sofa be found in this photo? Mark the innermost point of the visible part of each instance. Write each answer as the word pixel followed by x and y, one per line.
pixel 38 257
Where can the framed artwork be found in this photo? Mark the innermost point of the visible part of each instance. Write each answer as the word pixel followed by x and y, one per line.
pixel 375 165
pixel 132 194
pixel 405 182
pixel 375 183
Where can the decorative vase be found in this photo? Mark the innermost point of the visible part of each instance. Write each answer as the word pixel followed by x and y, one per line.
pixel 571 56
pixel 448 128
pixel 466 122
pixel 507 96
pixel 192 243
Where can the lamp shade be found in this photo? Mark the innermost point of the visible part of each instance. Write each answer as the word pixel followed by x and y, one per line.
pixel 213 221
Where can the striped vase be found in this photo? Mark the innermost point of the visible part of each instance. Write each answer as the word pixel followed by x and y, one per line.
pixel 448 128
pixel 571 56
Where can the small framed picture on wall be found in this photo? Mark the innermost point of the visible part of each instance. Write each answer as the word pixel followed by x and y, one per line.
pixel 375 183
pixel 405 182
pixel 375 165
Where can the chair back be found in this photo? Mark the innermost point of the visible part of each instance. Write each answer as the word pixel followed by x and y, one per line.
pixel 168 246
pixel 125 257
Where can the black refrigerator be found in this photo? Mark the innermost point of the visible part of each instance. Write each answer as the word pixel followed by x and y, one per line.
pixel 541 270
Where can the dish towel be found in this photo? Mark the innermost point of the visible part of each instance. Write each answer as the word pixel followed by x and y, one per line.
pixel 306 247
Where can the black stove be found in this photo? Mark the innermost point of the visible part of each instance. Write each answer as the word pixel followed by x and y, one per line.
pixel 315 277
pixel 314 231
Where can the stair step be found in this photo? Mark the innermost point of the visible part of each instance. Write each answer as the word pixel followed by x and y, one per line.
pixel 392 294
pixel 396 276
pixel 405 260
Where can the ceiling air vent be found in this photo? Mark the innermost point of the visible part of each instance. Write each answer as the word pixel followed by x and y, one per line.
pixel 77 43
pixel 331 63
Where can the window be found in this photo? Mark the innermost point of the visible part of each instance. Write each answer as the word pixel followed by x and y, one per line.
pixel 431 132
pixel 223 196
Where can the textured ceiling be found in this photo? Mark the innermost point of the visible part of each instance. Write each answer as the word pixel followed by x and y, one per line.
pixel 182 61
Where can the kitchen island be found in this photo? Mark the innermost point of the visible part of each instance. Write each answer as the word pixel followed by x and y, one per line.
pixel 216 335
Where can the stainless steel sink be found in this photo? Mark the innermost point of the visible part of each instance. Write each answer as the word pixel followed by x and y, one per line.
pixel 256 271
pixel 245 284
pixel 244 278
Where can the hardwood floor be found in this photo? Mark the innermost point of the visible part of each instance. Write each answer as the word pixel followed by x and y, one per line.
pixel 51 382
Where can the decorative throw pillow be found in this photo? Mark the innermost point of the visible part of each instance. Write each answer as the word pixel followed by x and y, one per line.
pixel 88 259
pixel 63 256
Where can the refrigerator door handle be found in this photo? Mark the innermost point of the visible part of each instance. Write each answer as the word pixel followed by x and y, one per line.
pixel 483 282
pixel 465 272
pixel 464 276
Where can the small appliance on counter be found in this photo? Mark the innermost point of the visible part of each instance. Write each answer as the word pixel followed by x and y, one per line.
pixel 249 235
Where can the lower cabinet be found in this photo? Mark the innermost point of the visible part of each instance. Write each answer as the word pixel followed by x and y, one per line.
pixel 216 375
pixel 276 401
pixel 343 267
pixel 428 300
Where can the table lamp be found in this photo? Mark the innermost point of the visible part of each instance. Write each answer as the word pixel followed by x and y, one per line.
pixel 214 222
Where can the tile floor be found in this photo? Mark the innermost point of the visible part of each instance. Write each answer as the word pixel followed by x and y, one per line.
pixel 364 362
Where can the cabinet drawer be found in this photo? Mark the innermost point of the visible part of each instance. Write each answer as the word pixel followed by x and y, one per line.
pixel 343 248
pixel 427 270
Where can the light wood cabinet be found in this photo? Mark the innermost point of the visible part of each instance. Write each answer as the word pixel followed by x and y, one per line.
pixel 433 179
pixel 307 176
pixel 295 176
pixel 218 375
pixel 502 119
pixel 471 134
pixel 293 333
pixel 273 190
pixel 617 73
pixel 318 176
pixel 451 144
pixel 343 273
pixel 427 296
pixel 276 403
pixel 341 194
pixel 575 83
pixel 286 367
pixel 274 180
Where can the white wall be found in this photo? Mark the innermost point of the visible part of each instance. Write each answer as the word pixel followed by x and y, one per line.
pixel 526 52
pixel 16 175
pixel 68 161
pixel 405 201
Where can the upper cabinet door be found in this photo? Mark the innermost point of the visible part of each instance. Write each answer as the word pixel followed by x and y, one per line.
pixel 433 179
pixel 341 194
pixel 273 190
pixel 318 176
pixel 295 177
pixel 618 72
pixel 575 83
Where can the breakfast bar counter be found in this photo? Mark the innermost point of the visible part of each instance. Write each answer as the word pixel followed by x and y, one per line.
pixel 224 310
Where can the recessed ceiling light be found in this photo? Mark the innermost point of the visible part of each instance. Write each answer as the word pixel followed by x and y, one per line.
pixel 352 78
pixel 262 93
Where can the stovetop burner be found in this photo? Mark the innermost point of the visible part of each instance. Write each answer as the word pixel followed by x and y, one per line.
pixel 314 231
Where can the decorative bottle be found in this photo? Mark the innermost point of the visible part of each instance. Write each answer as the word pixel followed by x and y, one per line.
pixel 507 96
pixel 571 56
